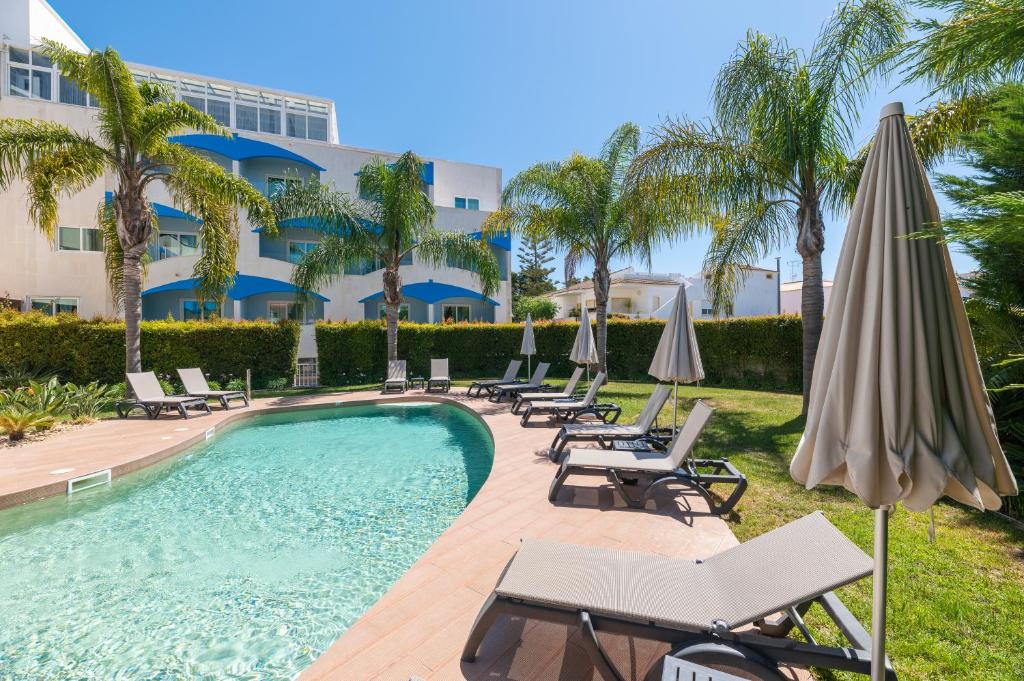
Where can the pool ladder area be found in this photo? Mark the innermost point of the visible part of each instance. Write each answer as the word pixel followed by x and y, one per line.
pixel 89 481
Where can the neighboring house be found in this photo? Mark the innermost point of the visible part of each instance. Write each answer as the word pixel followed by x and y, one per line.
pixel 792 295
pixel 639 295
pixel 281 137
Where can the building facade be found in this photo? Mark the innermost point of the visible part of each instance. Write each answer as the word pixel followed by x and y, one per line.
pixel 278 137
pixel 648 295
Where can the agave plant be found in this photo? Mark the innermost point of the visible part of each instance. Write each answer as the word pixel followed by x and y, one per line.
pixel 87 402
pixel 50 396
pixel 17 419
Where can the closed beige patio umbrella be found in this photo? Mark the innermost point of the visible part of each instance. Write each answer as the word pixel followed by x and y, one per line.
pixel 584 350
pixel 677 357
pixel 898 410
pixel 529 345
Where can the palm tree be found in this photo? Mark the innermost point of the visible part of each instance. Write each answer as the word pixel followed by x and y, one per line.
pixel 774 157
pixel 131 142
pixel 583 205
pixel 393 217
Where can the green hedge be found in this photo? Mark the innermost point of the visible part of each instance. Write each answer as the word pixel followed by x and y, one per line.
pixel 81 350
pixel 755 352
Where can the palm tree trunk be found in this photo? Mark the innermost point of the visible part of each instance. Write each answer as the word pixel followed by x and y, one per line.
pixel 132 277
pixel 602 282
pixel 810 244
pixel 392 299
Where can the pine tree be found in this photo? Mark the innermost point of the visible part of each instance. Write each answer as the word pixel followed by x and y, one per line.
pixel 534 276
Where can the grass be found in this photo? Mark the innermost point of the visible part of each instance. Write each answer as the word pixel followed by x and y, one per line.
pixel 955 605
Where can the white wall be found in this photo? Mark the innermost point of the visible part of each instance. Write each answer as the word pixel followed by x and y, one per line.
pixel 792 298
pixel 757 295
pixel 27 22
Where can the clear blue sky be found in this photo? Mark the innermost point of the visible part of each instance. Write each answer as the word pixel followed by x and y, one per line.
pixel 498 83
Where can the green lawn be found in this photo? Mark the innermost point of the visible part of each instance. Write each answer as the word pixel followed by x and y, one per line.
pixel 955 606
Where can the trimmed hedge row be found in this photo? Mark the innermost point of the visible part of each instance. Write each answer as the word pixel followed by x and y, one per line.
pixel 81 350
pixel 755 352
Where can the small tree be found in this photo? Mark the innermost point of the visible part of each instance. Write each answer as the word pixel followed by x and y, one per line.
pixel 539 308
pixel 534 274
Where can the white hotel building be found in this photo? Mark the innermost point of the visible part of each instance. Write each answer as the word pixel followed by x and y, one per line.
pixel 279 136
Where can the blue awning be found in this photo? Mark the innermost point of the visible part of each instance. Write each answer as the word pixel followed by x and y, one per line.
pixel 161 210
pixel 432 292
pixel 241 148
pixel 502 241
pixel 245 285
pixel 427 174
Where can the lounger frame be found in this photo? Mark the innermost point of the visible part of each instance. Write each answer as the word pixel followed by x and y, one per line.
pixel 154 409
pixel 757 652
pixel 397 378
pixel 568 392
pixel 496 393
pixel 442 382
pixel 222 396
pixel 486 384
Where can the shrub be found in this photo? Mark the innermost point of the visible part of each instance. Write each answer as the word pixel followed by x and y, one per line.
pixel 88 402
pixel 236 384
pixel 18 419
pixel 539 308
pixel 277 384
pixel 761 352
pixel 83 351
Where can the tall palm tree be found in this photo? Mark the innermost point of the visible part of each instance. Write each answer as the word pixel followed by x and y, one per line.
pixel 131 142
pixel 583 205
pixel 392 218
pixel 774 157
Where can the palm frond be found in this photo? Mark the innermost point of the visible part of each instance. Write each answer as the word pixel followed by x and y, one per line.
pixel 61 173
pixel 619 150
pixel 26 141
pixel 440 249
pixel 327 261
pixel 162 119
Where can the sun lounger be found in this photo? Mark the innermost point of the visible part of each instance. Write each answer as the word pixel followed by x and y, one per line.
pixel 439 375
pixel 658 468
pixel 571 409
pixel 196 385
pixel 567 392
pixel 152 399
pixel 487 384
pixel 535 384
pixel 713 612
pixel 605 434
pixel 396 380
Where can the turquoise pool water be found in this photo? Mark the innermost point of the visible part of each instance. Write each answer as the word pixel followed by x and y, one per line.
pixel 242 559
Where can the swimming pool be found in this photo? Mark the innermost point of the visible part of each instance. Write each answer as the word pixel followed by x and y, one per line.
pixel 244 558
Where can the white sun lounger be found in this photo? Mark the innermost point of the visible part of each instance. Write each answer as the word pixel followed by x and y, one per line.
pixel 607 433
pixel 196 385
pixel 487 384
pixel 439 375
pixel 571 409
pixel 151 398
pixel 568 391
pixel 396 378
pixel 713 612
pixel 535 384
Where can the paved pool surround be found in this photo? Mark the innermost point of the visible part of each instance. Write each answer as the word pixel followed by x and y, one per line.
pixel 418 627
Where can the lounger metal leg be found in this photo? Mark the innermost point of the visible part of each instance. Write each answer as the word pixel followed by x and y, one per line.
pixel 224 403
pixel 526 416
pixel 731 655
pixel 597 655
pixel 558 482
pixel 484 620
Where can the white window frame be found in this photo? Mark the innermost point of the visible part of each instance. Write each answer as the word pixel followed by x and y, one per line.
pixel 382 311
pixel 159 251
pixel 30 67
pixel 469 312
pixel 53 303
pixel 79 250
pixel 288 248
pixel 306 312
pixel 283 178
pixel 202 309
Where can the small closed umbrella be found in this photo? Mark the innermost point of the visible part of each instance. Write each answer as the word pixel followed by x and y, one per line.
pixel 529 346
pixel 677 357
pixel 584 350
pixel 898 409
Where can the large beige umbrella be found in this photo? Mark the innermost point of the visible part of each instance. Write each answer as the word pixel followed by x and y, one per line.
pixel 529 346
pixel 584 350
pixel 677 357
pixel 898 410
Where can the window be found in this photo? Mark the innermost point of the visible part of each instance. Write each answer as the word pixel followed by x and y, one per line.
pixel 270 121
pixel 247 117
pixel 455 313
pixel 52 306
pixel 191 310
pixel 276 184
pixel 297 249
pixel 316 128
pixel 364 267
pixel 79 239
pixel 70 93
pixel 467 203
pixel 220 111
pixel 171 245
pixel 296 125
pixel 403 311
pixel 278 312
pixel 35 82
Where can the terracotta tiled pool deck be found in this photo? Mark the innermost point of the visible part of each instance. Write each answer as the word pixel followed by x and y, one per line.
pixel 418 627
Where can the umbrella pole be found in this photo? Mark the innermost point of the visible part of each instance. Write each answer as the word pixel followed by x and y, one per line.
pixel 675 407
pixel 879 580
pixel 529 371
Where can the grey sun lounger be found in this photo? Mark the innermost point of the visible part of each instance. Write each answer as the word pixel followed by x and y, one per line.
pixel 571 409
pixel 487 384
pixel 535 384
pixel 396 378
pixel 568 391
pixel 196 385
pixel 605 434
pixel 151 398
pixel 658 468
pixel 439 375
pixel 733 609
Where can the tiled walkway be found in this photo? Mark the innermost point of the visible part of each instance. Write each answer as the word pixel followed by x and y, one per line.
pixel 419 626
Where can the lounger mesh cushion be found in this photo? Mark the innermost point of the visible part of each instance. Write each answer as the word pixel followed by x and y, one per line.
pixel 602 429
pixel 526 397
pixel 553 404
pixel 790 565
pixel 637 460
